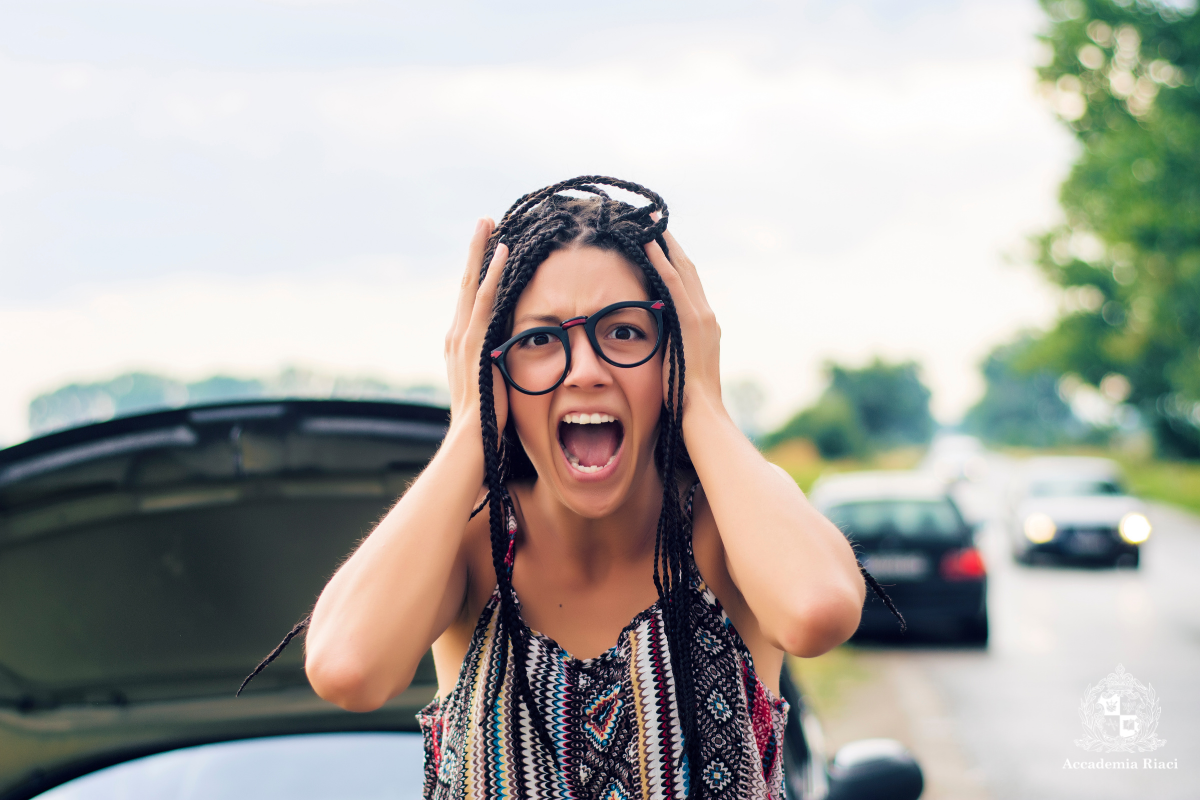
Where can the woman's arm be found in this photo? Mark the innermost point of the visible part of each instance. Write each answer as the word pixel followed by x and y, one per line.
pixel 795 570
pixel 407 582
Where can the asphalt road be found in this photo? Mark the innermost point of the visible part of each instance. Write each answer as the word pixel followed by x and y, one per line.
pixel 1014 709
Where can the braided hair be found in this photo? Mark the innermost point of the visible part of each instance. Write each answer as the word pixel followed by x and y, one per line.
pixel 534 227
pixel 581 213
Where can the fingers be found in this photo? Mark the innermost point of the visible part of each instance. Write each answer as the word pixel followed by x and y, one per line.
pixel 669 275
pixel 468 287
pixel 686 269
pixel 682 264
pixel 485 298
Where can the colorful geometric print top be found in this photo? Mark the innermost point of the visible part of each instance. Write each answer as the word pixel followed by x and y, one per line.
pixel 613 719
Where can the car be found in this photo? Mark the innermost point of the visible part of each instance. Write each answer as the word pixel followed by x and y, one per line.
pixel 1075 509
pixel 146 565
pixel 910 536
pixel 962 461
pixel 956 457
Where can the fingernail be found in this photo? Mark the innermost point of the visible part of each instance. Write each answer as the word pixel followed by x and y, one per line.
pixel 479 224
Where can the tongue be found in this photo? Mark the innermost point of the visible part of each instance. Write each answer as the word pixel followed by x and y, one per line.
pixel 592 445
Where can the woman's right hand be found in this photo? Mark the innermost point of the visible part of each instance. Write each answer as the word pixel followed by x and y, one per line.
pixel 464 341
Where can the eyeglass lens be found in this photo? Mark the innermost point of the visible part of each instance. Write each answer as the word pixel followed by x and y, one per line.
pixel 626 336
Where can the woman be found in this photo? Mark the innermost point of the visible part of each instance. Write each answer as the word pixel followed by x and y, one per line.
pixel 605 626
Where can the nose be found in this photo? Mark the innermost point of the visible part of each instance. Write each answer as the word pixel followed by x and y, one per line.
pixel 588 370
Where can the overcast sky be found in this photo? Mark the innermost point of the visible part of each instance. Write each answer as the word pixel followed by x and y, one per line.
pixel 191 187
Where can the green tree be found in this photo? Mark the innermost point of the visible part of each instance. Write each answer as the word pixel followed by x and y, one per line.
pixel 877 407
pixel 1020 406
pixel 1124 78
pixel 831 424
pixel 890 401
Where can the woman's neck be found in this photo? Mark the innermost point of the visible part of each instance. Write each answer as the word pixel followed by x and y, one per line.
pixel 586 544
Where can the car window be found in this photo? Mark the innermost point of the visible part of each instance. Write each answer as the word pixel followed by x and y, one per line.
pixel 910 518
pixel 327 766
pixel 1073 487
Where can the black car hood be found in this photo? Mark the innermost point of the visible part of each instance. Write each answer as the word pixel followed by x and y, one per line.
pixel 148 563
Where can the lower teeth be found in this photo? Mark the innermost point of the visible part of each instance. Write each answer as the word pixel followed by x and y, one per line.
pixel 575 463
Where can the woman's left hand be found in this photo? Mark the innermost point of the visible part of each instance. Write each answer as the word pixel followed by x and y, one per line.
pixel 701 333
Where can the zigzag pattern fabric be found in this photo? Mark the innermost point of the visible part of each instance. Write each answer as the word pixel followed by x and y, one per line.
pixel 612 719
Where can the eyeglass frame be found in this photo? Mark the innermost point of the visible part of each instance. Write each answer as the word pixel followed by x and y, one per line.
pixel 499 355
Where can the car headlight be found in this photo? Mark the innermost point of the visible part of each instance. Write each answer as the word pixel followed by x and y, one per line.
pixel 1134 528
pixel 1039 528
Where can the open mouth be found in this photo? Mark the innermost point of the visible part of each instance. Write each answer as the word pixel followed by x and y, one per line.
pixel 590 441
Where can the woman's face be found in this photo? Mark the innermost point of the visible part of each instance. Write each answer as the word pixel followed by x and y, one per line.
pixel 591 467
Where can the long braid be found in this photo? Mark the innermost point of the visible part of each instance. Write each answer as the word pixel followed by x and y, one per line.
pixel 673 539
pixel 524 255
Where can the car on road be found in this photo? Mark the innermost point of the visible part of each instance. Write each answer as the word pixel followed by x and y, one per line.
pixel 1075 509
pixel 962 462
pixel 146 565
pixel 910 536
pixel 956 457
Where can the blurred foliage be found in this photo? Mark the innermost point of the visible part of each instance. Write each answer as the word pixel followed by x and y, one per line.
pixel 1021 406
pixel 862 411
pixel 1124 78
pixel 138 392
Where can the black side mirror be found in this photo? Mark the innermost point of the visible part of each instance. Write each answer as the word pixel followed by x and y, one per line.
pixel 875 769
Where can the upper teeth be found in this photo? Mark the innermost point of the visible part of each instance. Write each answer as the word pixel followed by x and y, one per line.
pixel 588 419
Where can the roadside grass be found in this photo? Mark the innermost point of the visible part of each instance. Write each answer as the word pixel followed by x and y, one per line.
pixel 800 459
pixel 827 680
pixel 1175 482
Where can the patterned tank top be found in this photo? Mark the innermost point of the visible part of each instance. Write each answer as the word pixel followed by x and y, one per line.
pixel 613 719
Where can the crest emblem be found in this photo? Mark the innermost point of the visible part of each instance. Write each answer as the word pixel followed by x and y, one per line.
pixel 1119 714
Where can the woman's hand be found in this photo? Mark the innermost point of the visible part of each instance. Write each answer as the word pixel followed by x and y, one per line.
pixel 464 341
pixel 701 333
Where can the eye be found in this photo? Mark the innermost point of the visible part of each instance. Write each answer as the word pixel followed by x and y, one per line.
pixel 537 340
pixel 626 333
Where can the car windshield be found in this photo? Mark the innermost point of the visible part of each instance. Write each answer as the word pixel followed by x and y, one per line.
pixel 1073 487
pixel 333 766
pixel 873 519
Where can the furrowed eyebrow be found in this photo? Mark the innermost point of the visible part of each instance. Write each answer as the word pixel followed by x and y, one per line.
pixel 545 319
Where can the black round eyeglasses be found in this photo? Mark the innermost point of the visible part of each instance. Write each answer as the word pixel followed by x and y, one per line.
pixel 625 334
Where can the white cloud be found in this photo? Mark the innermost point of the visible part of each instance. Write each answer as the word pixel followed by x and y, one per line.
pixel 835 210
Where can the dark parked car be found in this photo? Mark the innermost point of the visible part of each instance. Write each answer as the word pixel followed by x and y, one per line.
pixel 147 563
pixel 913 540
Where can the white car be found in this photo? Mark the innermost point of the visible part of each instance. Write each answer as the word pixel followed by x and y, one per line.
pixel 1076 509
pixel 962 463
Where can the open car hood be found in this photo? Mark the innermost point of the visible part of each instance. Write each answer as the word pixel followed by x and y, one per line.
pixel 148 563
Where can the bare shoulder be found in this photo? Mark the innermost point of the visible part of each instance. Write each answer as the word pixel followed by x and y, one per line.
pixel 477 554
pixel 709 552
pixel 713 565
